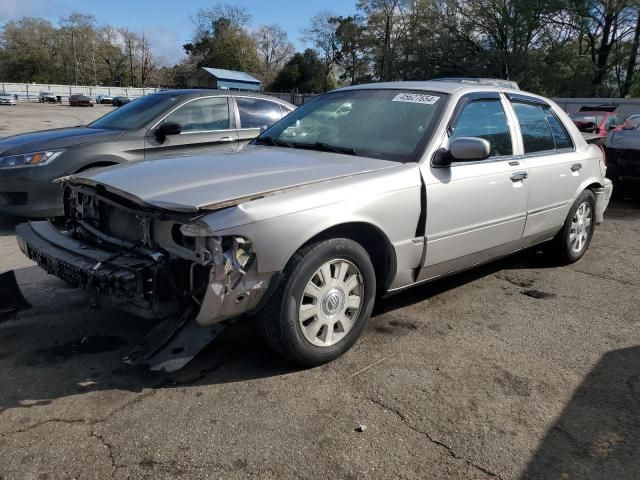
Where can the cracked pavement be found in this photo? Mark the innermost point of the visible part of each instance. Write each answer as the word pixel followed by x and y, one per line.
pixel 466 378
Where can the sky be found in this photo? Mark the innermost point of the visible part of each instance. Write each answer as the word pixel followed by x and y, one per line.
pixel 167 23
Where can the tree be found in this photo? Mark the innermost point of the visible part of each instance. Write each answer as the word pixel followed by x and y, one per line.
pixel 148 63
pixel 352 49
pixel 28 50
pixel 507 33
pixel 274 49
pixel 322 35
pixel 220 40
pixel 631 73
pixel 304 73
pixel 382 31
pixel 602 25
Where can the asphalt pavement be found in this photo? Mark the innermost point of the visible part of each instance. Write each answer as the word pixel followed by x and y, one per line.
pixel 519 369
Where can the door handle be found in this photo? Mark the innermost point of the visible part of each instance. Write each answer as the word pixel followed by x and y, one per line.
pixel 518 176
pixel 225 140
pixel 575 167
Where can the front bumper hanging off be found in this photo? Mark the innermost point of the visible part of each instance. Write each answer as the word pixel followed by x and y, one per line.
pixel 131 281
pixel 123 278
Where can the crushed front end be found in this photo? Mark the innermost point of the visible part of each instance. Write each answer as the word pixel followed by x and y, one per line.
pixel 152 262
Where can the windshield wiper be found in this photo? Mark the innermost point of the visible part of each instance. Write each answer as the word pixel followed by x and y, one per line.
pixel 272 141
pixel 325 147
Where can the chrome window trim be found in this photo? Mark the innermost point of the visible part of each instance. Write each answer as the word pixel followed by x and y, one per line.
pixel 544 153
pixel 222 130
pixel 501 158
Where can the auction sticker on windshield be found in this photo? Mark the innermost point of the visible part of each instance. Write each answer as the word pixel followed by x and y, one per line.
pixel 416 98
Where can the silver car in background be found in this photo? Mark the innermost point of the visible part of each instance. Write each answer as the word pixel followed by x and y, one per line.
pixel 362 192
pixel 7 99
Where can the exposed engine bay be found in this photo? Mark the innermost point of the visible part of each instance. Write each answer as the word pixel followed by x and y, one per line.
pixel 154 263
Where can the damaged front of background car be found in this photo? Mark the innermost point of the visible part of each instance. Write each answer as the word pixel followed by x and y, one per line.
pixel 154 263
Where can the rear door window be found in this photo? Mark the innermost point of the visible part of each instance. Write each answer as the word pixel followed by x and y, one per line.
pixel 257 113
pixel 536 132
pixel 485 118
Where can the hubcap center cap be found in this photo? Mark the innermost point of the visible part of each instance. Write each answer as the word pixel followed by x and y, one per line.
pixel 332 302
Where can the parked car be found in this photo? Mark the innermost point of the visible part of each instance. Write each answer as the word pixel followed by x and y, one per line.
pixel 633 121
pixel 47 97
pixel 598 120
pixel 119 101
pixel 79 100
pixel 104 99
pixel 623 161
pixel 7 99
pixel 323 212
pixel 169 123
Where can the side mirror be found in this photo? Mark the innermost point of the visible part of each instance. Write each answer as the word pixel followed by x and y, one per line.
pixel 466 149
pixel 611 127
pixel 169 128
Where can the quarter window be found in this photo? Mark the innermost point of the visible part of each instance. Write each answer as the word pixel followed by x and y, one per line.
pixel 485 119
pixel 257 113
pixel 202 115
pixel 536 132
pixel 560 135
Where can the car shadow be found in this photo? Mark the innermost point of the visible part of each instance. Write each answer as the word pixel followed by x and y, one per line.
pixel 61 347
pixel 597 435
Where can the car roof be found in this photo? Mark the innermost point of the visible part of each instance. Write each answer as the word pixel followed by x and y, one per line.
pixel 204 92
pixel 440 86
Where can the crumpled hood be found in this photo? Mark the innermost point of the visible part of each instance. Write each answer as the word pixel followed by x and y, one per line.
pixel 208 182
pixel 54 139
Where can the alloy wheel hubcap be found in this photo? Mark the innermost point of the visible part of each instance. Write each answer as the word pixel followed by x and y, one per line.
pixel 331 302
pixel 580 228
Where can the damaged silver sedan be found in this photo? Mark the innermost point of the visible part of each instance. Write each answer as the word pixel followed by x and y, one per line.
pixel 362 192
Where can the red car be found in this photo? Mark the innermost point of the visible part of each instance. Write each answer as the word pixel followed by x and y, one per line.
pixel 80 101
pixel 597 120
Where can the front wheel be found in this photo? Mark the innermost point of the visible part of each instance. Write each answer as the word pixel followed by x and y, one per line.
pixel 322 304
pixel 575 237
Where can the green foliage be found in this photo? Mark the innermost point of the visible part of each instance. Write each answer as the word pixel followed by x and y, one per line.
pixel 28 50
pixel 305 73
pixel 221 40
pixel 552 47
pixel 77 51
pixel 225 46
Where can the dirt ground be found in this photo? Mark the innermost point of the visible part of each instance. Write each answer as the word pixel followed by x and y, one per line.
pixel 517 370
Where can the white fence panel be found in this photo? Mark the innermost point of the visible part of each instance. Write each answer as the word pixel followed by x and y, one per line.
pixel 28 92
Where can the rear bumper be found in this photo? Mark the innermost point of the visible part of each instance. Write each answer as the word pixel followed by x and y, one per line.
pixel 603 195
pixel 124 279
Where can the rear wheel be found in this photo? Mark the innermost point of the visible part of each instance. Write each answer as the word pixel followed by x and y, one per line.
pixel 323 302
pixel 574 238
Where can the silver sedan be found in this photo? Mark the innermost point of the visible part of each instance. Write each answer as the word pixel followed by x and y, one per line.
pixel 362 192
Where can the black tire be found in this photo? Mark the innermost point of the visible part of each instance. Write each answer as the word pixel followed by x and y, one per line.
pixel 278 322
pixel 566 254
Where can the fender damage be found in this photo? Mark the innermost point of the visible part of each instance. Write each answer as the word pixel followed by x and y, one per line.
pixel 155 263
